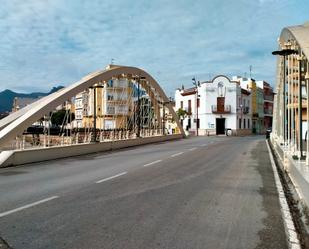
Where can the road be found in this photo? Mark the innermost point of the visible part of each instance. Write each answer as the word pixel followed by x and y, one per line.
pixel 205 192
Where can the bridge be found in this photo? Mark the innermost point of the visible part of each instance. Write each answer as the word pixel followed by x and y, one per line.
pixel 291 123
pixel 117 107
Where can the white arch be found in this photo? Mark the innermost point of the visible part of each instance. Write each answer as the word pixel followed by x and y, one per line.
pixel 299 34
pixel 25 118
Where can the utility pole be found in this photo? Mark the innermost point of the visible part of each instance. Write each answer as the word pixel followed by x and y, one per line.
pixel 196 84
pixel 94 139
pixel 94 115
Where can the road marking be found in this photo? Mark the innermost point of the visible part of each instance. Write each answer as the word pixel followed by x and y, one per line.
pixel 27 206
pixel 177 154
pixel 111 177
pixel 192 149
pixel 203 144
pixel 148 164
pixel 285 210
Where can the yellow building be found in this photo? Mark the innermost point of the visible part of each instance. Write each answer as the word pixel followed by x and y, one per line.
pixel 114 104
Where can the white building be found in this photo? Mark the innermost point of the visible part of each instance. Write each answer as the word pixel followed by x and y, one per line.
pixel 81 108
pixel 223 107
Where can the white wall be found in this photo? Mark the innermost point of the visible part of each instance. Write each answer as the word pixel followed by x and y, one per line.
pixel 185 99
pixel 230 91
pixel 208 93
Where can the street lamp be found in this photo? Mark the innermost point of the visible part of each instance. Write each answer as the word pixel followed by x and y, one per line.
pixel 94 87
pixel 300 107
pixel 138 79
pixel 196 84
pixel 284 53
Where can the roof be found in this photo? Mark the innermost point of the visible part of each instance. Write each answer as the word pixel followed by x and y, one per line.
pixel 189 91
pixel 244 91
pixel 221 75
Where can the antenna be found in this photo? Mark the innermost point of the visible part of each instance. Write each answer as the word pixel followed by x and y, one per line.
pixel 250 68
pixel 112 61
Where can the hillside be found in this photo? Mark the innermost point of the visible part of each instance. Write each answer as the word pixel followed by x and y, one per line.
pixel 7 96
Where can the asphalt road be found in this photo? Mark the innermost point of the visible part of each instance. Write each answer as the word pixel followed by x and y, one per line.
pixel 206 192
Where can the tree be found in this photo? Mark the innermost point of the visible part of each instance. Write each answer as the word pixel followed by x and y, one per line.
pixel 181 113
pixel 60 117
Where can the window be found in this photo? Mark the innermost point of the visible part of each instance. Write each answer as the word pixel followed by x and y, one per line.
pixel 181 104
pixel 110 96
pixel 110 109
pixel 244 123
pixel 189 123
pixel 248 123
pixel 239 123
pixel 110 83
pixel 189 106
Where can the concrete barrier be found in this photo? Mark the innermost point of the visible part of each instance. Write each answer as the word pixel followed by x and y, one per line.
pixel 297 171
pixel 18 157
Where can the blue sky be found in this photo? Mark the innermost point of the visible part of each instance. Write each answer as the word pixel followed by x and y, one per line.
pixel 45 43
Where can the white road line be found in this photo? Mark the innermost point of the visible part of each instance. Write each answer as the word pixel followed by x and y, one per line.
pixel 27 206
pixel 203 144
pixel 177 154
pixel 148 164
pixel 192 149
pixel 285 210
pixel 111 177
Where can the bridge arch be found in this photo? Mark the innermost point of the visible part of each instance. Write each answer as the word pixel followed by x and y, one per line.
pixel 291 99
pixel 16 125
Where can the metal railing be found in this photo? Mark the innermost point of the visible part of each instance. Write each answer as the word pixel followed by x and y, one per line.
pixel 221 109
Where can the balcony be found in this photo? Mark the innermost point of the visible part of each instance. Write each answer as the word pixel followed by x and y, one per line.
pixel 269 98
pixel 268 112
pixel 245 110
pixel 224 109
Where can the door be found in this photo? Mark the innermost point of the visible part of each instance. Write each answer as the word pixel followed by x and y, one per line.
pixel 220 104
pixel 220 126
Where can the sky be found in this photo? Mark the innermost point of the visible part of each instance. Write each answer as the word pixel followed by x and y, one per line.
pixel 46 43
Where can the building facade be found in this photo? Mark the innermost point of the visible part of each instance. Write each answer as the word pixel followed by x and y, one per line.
pixel 219 106
pixel 262 103
pixel 20 102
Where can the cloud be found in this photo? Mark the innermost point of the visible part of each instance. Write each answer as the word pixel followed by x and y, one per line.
pixel 51 42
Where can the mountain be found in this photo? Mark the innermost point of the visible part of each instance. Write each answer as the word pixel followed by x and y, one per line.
pixel 7 97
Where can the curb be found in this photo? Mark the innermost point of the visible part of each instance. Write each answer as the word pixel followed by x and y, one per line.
pixel 4 245
pixel 289 226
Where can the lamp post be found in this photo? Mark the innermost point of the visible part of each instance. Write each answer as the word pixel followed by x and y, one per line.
pixel 139 78
pixel 196 84
pixel 94 87
pixel 284 53
pixel 300 108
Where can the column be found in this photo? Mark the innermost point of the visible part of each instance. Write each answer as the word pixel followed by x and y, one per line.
pixel 300 119
pixel 289 105
pixel 307 85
